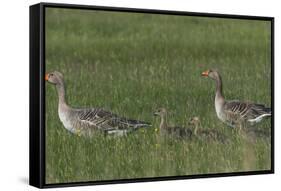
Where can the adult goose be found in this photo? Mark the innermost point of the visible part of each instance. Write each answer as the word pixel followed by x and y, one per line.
pixel 169 130
pixel 235 113
pixel 89 121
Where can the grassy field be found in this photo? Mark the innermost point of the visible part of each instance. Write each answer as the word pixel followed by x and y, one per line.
pixel 132 64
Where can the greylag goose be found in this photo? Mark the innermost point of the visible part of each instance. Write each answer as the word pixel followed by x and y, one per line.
pixel 206 134
pixel 235 113
pixel 165 129
pixel 89 121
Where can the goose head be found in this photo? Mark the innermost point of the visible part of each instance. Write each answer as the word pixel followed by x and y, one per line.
pixel 54 78
pixel 213 74
pixel 160 112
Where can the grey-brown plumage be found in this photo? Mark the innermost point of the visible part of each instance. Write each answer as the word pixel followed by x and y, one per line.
pixel 89 121
pixel 165 129
pixel 206 134
pixel 235 113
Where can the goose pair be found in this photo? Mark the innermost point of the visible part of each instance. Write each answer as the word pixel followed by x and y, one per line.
pixel 90 121
pixel 235 113
pixel 187 132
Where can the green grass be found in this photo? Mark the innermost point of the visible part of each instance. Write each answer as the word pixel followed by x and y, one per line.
pixel 132 64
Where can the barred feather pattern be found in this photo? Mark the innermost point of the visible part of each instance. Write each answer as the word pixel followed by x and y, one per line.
pixel 237 112
pixel 99 119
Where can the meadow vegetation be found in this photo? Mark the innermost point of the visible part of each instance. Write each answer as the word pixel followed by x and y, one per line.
pixel 132 64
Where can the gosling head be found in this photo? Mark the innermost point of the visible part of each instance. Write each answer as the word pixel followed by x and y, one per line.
pixel 213 74
pixel 54 78
pixel 194 121
pixel 160 112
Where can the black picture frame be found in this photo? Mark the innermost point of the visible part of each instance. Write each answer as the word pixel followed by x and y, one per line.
pixel 37 94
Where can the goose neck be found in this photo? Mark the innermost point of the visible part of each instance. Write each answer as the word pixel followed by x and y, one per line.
pixel 61 94
pixel 163 123
pixel 196 129
pixel 219 93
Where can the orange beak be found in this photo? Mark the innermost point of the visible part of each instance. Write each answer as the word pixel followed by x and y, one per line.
pixel 205 73
pixel 47 77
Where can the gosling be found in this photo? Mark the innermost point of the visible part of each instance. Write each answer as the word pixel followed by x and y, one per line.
pixel 206 134
pixel 166 129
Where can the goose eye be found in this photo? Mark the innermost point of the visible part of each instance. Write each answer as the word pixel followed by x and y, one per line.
pixel 50 75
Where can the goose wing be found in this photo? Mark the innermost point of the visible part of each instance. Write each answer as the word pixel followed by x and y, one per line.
pixel 108 121
pixel 236 111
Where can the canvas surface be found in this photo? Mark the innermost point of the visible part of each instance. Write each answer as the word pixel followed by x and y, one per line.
pixel 132 64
